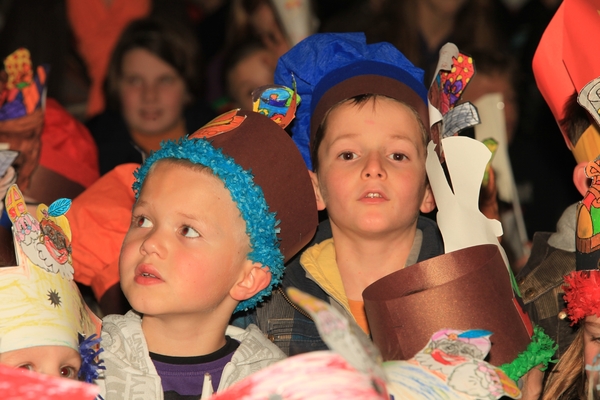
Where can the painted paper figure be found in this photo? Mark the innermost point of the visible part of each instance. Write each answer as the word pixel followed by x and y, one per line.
pixel 46 239
pixel 588 220
pixel 277 102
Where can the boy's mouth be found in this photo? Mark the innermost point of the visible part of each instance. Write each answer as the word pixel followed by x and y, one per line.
pixel 146 274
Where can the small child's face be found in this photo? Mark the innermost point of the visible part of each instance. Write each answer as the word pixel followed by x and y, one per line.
pixel 252 72
pixel 58 361
pixel 186 245
pixel 371 175
pixel 591 344
pixel 152 93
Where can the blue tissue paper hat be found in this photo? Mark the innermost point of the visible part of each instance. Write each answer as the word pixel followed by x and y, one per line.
pixel 331 67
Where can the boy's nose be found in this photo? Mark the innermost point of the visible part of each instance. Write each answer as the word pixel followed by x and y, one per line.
pixel 152 245
pixel 150 92
pixel 374 168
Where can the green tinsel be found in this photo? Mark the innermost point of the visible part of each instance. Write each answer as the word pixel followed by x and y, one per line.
pixel 539 351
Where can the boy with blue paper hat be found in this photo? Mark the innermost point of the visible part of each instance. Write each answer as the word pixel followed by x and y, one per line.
pixel 362 128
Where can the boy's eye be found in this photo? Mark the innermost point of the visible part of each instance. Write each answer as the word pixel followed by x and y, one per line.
pixel 143 222
pixel 348 155
pixel 189 232
pixel 397 156
pixel 68 372
pixel 26 366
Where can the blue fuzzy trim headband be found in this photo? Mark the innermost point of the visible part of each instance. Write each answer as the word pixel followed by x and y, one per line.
pixel 261 225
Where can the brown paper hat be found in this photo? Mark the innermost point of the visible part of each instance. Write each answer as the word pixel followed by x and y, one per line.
pixel 464 289
pixel 266 177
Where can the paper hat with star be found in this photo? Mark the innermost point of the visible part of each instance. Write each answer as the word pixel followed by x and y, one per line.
pixel 40 304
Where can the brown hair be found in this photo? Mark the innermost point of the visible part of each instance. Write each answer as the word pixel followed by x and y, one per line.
pixel 358 101
pixel 576 119
pixel 176 46
pixel 568 379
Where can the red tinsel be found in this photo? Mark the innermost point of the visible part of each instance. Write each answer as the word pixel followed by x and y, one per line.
pixel 582 294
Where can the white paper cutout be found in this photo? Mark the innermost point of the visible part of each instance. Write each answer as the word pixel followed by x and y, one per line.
pixel 459 219
pixel 493 125
pixel 589 98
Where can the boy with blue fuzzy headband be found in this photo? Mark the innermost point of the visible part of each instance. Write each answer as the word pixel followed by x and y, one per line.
pixel 362 129
pixel 216 216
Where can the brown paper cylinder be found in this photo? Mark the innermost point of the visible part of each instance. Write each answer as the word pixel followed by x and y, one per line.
pixel 464 289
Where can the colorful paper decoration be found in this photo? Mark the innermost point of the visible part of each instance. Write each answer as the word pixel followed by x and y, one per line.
pixel 40 304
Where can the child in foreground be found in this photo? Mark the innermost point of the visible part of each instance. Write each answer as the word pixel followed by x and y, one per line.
pixel 45 325
pixel 207 238
pixel 362 129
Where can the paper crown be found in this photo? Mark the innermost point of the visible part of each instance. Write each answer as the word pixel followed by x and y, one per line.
pixel 264 172
pixel 331 67
pixel 564 61
pixel 40 304
pixel 21 92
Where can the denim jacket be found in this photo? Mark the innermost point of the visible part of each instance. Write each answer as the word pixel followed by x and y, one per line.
pixel 289 327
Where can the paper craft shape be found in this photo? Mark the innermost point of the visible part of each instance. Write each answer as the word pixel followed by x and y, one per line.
pixel 21 384
pixel 463 289
pixel 40 304
pixel 221 124
pixel 452 75
pixel 460 221
pixel 277 102
pixel 463 116
pixel 21 93
pixel 588 221
pixel 589 98
pixel 451 366
pixel 340 336
pixel 493 125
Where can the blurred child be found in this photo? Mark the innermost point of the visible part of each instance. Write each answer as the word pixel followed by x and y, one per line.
pixel 576 373
pixel 45 325
pixel 248 66
pixel 362 130
pixel 150 88
pixel 207 238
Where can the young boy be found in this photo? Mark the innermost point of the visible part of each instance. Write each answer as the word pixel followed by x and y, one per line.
pixel 216 215
pixel 362 130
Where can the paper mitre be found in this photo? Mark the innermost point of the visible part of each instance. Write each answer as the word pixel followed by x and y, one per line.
pixel 469 287
pixel 40 304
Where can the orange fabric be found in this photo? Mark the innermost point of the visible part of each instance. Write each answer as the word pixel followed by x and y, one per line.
pixel 99 219
pixel 357 308
pixel 67 147
pixel 152 142
pixel 97 28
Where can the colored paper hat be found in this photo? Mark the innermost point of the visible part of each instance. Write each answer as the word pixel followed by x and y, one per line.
pixel 264 172
pixel 565 61
pixel 331 67
pixel 464 289
pixel 40 304
pixel 469 287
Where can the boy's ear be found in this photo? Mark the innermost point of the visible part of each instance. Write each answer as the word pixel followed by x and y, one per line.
pixel 581 181
pixel 253 279
pixel 428 203
pixel 314 178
